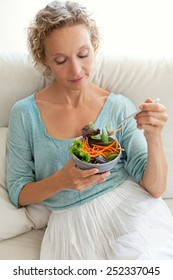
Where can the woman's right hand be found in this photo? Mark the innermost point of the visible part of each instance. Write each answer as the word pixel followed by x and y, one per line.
pixel 72 177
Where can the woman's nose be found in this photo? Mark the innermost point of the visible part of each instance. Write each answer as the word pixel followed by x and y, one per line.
pixel 75 67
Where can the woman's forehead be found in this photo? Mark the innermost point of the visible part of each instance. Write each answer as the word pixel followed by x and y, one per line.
pixel 67 39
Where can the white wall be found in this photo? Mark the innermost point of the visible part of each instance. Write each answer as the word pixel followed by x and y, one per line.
pixel 135 27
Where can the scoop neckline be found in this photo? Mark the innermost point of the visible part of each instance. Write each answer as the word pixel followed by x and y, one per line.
pixel 68 139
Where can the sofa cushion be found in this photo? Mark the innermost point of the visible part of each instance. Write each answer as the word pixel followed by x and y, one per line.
pixel 22 247
pixel 13 221
pixel 18 79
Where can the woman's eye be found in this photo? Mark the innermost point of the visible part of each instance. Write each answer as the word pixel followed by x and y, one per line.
pixel 84 54
pixel 60 62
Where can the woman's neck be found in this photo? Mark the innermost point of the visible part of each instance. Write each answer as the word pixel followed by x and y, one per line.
pixel 57 95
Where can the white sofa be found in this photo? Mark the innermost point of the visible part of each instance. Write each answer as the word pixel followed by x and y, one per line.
pixel 21 230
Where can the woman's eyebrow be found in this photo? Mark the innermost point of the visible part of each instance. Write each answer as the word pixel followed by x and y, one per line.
pixel 62 54
pixel 58 54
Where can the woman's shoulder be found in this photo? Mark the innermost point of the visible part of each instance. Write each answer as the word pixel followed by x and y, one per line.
pixel 23 105
pixel 119 97
pixel 22 109
pixel 121 101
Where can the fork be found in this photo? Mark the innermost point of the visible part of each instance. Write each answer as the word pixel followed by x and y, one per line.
pixel 130 116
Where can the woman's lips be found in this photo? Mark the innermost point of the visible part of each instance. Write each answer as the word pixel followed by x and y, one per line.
pixel 78 80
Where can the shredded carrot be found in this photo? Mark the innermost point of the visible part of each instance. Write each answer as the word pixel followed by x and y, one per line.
pixel 97 150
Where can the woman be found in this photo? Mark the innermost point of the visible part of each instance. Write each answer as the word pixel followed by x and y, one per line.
pixel 93 216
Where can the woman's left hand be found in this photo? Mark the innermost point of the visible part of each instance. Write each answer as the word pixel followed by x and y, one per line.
pixel 152 118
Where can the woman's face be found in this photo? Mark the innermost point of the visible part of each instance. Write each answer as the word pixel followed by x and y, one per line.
pixel 69 54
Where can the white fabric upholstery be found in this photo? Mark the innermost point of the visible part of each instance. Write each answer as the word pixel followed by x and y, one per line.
pixel 22 247
pixel 135 78
pixel 15 221
pixel 18 79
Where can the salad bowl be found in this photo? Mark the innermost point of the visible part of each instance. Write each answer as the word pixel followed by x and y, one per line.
pixel 96 149
pixel 102 167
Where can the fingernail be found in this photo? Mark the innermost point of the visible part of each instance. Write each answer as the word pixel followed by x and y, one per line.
pixel 96 171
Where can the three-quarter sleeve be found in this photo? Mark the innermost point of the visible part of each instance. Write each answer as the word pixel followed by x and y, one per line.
pixel 135 145
pixel 20 162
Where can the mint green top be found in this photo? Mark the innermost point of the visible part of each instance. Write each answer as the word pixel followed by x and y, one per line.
pixel 34 155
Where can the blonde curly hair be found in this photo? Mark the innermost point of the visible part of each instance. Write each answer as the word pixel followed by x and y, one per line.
pixel 57 15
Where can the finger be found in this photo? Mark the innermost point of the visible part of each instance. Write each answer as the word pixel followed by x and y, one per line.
pixel 84 173
pixel 152 122
pixel 87 173
pixel 156 121
pixel 150 106
pixel 149 116
pixel 92 180
pixel 149 100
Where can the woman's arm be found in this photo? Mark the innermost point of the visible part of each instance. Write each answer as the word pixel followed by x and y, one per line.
pixel 152 120
pixel 69 177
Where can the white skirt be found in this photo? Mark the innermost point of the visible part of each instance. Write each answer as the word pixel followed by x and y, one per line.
pixel 124 223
